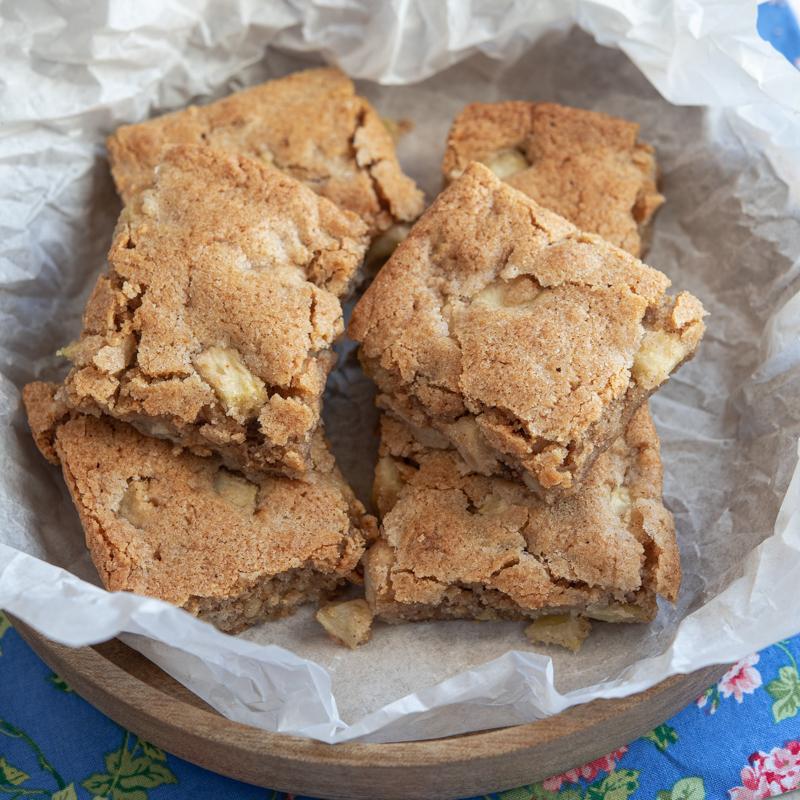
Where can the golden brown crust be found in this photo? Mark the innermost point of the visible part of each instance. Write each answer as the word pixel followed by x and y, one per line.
pixel 457 544
pixel 45 413
pixel 181 528
pixel 311 125
pixel 214 324
pixel 586 166
pixel 524 342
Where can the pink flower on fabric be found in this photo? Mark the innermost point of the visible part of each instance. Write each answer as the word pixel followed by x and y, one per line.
pixel 770 774
pixel 741 679
pixel 588 771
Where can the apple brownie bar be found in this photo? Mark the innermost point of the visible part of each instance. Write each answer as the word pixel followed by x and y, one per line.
pixel 458 545
pixel 527 343
pixel 311 125
pixel 213 326
pixel 169 524
pixel 586 166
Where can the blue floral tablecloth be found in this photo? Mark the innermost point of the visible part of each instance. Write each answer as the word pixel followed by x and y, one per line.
pixel 740 739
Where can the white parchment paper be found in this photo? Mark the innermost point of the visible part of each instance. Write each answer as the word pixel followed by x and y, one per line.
pixel 723 110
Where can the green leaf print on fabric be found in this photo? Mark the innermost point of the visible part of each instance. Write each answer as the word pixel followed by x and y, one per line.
pixel 617 785
pixel 129 775
pixel 536 791
pixel 785 689
pixel 10 774
pixel 151 751
pixel 689 789
pixel 521 793
pixel 4 626
pixel 67 793
pixel 60 683
pixel 533 792
pixel 662 737
pixel 685 789
pixel 98 785
pixel 13 732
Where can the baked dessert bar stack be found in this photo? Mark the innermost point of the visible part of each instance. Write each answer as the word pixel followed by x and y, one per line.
pixel 457 544
pixel 214 325
pixel 514 353
pixel 164 522
pixel 524 342
pixel 188 428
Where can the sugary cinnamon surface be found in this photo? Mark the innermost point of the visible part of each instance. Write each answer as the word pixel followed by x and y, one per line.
pixel 586 166
pixel 524 342
pixel 311 125
pixel 214 324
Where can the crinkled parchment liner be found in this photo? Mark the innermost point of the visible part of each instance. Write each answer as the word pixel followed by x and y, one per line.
pixel 729 420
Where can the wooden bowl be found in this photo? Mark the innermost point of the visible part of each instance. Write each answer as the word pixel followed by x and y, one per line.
pixel 135 693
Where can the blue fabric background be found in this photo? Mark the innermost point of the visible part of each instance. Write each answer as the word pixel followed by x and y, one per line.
pixel 778 25
pixel 66 750
pixel 740 740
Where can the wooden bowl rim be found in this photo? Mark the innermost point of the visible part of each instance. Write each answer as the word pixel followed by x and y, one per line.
pixel 75 664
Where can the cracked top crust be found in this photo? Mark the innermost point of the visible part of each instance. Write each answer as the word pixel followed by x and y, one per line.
pixel 523 341
pixel 168 524
pixel 586 166
pixel 310 125
pixel 457 544
pixel 214 323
